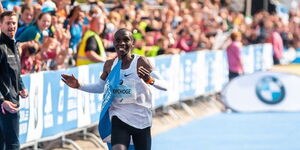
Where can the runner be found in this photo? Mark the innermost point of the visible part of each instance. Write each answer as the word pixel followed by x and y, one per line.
pixel 130 110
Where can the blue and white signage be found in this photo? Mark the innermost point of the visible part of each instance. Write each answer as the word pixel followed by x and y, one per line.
pixel 270 90
pixel 263 91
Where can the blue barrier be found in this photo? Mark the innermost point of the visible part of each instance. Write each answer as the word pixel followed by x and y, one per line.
pixel 53 108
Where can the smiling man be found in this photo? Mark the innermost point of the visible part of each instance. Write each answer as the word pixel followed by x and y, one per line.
pixel 11 85
pixel 130 111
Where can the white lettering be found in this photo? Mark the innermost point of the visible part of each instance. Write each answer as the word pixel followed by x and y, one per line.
pixel 23 128
pixel 48 121
pixel 61 98
pixel 72 104
pixel 72 115
pixel 59 120
pixel 24 116
pixel 48 105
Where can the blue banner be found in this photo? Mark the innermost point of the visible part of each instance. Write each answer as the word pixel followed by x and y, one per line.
pixel 70 103
pixel 161 65
pixel 210 60
pixel 95 99
pixel 187 77
pixel 24 112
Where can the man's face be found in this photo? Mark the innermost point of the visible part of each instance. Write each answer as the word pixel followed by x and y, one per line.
pixel 9 26
pixel 27 16
pixel 123 43
pixel 98 24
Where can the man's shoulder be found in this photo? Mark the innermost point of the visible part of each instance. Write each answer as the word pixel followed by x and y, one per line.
pixel 108 64
pixel 145 62
pixel 143 59
pixel 91 40
pixel 110 61
pixel 32 29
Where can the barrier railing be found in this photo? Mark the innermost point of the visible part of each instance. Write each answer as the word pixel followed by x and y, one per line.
pixel 52 108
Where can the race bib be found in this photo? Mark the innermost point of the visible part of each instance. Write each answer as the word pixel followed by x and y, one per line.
pixel 125 93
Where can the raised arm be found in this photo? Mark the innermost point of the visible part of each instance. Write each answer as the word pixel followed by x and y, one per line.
pixel 146 72
pixel 97 87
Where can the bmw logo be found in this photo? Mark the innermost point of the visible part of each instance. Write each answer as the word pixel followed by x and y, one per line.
pixel 270 90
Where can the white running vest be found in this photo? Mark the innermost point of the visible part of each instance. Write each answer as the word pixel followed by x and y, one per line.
pixel 133 99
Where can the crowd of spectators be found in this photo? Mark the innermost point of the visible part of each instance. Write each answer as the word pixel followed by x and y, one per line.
pixel 50 31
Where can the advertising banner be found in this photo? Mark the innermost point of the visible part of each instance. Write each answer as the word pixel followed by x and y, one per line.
pixel 263 91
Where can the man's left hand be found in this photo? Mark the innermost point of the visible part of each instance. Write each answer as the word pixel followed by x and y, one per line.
pixel 143 73
pixel 24 93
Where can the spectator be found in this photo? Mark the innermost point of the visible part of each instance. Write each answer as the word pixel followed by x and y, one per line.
pixel 49 6
pixel 162 47
pixel 91 49
pixel 275 39
pixel 234 56
pixel 75 23
pixel 139 47
pixel 186 42
pixel 62 7
pixel 52 54
pixel 38 30
pixel 25 19
pixel 17 9
pixel 37 11
pixel 28 62
pixel 11 84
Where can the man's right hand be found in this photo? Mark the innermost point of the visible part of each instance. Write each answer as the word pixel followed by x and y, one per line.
pixel 9 106
pixel 71 81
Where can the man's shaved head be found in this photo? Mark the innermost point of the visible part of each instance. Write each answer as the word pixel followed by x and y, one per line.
pixel 122 31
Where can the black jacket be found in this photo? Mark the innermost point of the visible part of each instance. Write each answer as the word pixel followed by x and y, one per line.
pixel 10 70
